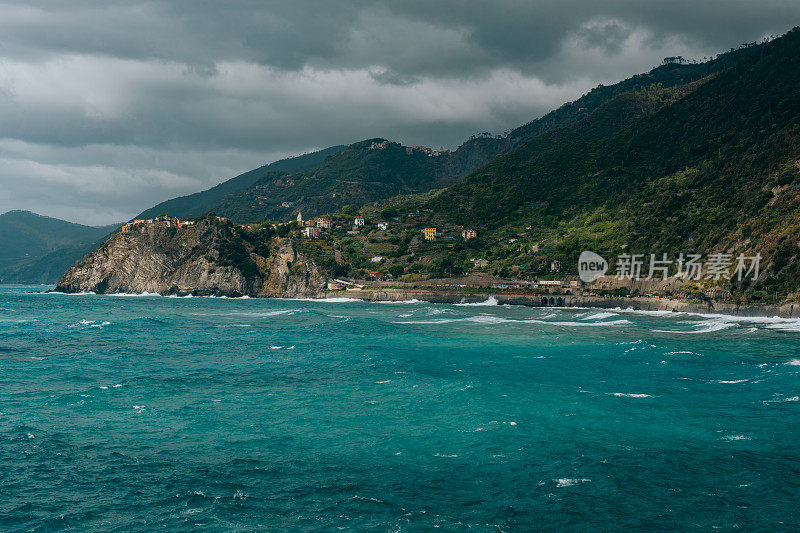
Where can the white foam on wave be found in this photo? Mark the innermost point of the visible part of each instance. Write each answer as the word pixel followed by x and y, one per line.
pixel 135 294
pixel 631 395
pixel 793 362
pixel 783 400
pixel 89 293
pixel 707 326
pixel 570 481
pixel 731 381
pixel 736 437
pixel 646 312
pixel 337 300
pixel 411 301
pixel 491 300
pixel 494 320
pixel 91 324
pixel 267 314
pixel 277 347
pixel 717 321
pixel 597 316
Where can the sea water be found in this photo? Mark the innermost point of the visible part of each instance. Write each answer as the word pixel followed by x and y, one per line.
pixel 141 413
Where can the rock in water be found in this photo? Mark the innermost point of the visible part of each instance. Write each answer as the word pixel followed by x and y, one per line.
pixel 208 258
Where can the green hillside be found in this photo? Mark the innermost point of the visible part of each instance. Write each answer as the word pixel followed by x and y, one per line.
pixel 37 249
pixel 200 203
pixel 705 166
pixel 708 166
pixel 357 175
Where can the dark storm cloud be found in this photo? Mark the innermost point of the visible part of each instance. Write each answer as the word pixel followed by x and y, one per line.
pixel 107 107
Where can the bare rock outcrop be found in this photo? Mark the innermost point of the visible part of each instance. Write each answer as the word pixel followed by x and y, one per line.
pixel 204 259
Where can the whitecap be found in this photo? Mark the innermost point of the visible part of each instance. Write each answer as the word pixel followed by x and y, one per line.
pixel 707 326
pixel 731 381
pixel 491 300
pixel 325 300
pixel 793 362
pixel 631 395
pixel 598 316
pixel 136 294
pixel 736 437
pixel 568 482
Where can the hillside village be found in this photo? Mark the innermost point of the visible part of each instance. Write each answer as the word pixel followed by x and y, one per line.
pixel 386 249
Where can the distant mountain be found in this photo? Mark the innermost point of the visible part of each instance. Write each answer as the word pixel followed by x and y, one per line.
pixel 200 203
pixel 356 175
pixel 37 249
pixel 364 172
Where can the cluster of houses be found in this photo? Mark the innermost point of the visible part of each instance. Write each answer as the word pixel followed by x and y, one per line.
pixel 430 234
pixel 312 227
pixel 163 220
pixel 430 152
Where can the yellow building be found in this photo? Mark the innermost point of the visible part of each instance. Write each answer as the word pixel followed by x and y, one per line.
pixel 430 234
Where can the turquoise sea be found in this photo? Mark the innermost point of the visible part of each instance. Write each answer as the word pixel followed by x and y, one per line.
pixel 142 413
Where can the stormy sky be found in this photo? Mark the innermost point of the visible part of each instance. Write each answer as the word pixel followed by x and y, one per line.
pixel 107 107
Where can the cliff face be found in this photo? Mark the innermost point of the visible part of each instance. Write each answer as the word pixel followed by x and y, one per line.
pixel 209 258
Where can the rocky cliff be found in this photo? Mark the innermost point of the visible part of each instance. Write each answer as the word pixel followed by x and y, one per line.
pixel 210 258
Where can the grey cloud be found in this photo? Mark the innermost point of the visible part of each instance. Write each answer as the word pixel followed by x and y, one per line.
pixel 107 107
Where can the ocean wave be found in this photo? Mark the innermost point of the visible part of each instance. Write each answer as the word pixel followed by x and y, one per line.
pixel 784 400
pixel 597 316
pixel 793 362
pixel 91 324
pixel 707 326
pixel 491 319
pixel 411 301
pixel 337 300
pixel 489 301
pixel 631 395
pixel 736 437
pixel 570 481
pixel 89 293
pixel 719 321
pixel 135 294
pixel 267 314
pixel 731 381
